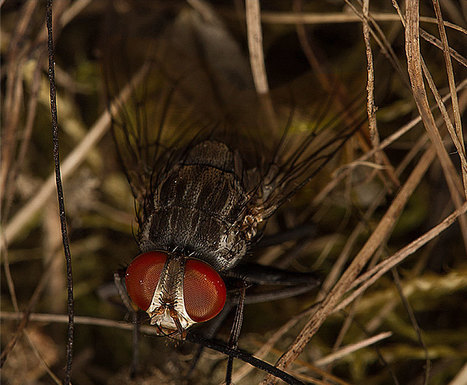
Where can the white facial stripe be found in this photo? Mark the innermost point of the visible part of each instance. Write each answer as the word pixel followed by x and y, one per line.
pixel 169 296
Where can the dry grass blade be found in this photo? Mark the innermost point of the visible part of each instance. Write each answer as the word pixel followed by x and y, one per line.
pixel 452 87
pixel 414 66
pixel 352 348
pixel 255 44
pixel 79 320
pixel 258 68
pixel 25 317
pixel 335 18
pixel 378 237
pixel 371 276
pixel 393 198
pixel 371 108
pixel 461 377
pixel 70 164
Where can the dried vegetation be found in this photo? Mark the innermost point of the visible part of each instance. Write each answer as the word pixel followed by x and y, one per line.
pixel 388 229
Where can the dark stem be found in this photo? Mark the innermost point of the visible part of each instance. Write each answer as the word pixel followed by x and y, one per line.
pixel 235 332
pixel 135 360
pixel 61 204
pixel 244 356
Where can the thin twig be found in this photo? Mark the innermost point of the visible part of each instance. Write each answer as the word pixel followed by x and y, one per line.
pixel 340 93
pixel 61 201
pixel 381 233
pixel 37 353
pixel 461 376
pixel 452 89
pixel 352 348
pixel 370 86
pixel 383 267
pixel 414 323
pixel 385 143
pixel 25 317
pixel 336 18
pixel 256 54
pixel 255 45
pixel 414 66
pixel 79 320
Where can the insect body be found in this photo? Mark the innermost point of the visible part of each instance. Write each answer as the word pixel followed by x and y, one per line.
pixel 202 218
pixel 206 176
pixel 198 222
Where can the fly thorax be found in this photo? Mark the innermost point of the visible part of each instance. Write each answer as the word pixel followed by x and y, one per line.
pixel 252 218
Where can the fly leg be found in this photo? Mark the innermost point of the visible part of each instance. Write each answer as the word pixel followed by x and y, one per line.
pixel 238 301
pixel 255 275
pixel 235 331
pixel 238 298
pixel 210 333
pixel 119 283
pixel 251 276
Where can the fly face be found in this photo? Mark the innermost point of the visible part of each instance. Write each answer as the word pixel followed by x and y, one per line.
pixel 176 292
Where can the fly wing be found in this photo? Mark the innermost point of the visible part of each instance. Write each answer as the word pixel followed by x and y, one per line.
pixel 198 86
pixel 281 141
pixel 309 140
pixel 194 72
pixel 139 127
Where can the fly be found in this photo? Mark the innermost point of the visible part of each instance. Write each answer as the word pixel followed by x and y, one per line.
pixel 205 180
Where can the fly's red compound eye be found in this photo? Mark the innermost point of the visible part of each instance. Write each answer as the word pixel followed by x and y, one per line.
pixel 203 291
pixel 142 277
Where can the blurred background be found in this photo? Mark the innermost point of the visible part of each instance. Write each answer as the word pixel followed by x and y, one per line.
pixel 316 49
